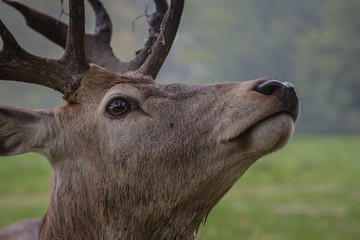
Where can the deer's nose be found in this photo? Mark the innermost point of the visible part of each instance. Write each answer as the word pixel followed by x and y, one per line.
pixel 283 91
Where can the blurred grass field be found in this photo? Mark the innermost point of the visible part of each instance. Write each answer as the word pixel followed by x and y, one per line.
pixel 308 190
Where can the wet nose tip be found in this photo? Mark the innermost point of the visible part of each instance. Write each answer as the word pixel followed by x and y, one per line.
pixel 284 91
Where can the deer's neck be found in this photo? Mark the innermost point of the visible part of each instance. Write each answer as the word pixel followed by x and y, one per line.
pixel 97 212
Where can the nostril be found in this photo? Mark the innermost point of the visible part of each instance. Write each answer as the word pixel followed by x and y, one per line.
pixel 271 88
pixel 284 92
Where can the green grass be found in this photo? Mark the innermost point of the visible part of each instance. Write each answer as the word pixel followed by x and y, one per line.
pixel 308 190
pixel 24 188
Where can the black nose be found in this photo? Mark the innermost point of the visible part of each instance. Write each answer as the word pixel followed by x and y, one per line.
pixel 284 91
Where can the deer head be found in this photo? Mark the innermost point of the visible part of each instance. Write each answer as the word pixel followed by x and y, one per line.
pixel 132 159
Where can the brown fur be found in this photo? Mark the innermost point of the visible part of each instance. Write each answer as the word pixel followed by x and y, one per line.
pixel 156 171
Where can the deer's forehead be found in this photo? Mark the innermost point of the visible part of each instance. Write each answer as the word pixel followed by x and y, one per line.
pixel 153 90
pixel 169 91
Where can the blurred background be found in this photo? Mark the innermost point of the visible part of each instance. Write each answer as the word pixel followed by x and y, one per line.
pixel 308 190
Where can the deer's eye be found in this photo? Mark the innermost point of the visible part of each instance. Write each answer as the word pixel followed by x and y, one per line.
pixel 117 107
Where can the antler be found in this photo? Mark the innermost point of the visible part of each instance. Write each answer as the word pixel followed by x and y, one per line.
pixel 64 74
pixel 165 38
pixel 163 25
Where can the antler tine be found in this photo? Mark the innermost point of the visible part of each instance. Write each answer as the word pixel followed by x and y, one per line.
pixel 75 42
pixel 98 49
pixel 154 22
pixel 161 48
pixel 161 6
pixel 54 30
pixel 63 75
pixel 103 26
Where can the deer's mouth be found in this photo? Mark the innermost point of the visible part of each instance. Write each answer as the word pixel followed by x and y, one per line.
pixel 267 120
pixel 268 134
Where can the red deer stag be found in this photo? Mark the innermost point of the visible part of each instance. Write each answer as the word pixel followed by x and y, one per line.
pixel 132 159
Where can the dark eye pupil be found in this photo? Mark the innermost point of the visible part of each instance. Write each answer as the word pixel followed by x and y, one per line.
pixel 117 107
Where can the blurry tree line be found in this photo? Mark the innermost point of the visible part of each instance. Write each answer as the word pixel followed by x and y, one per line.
pixel 313 44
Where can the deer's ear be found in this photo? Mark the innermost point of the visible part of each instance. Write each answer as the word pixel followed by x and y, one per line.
pixel 23 130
